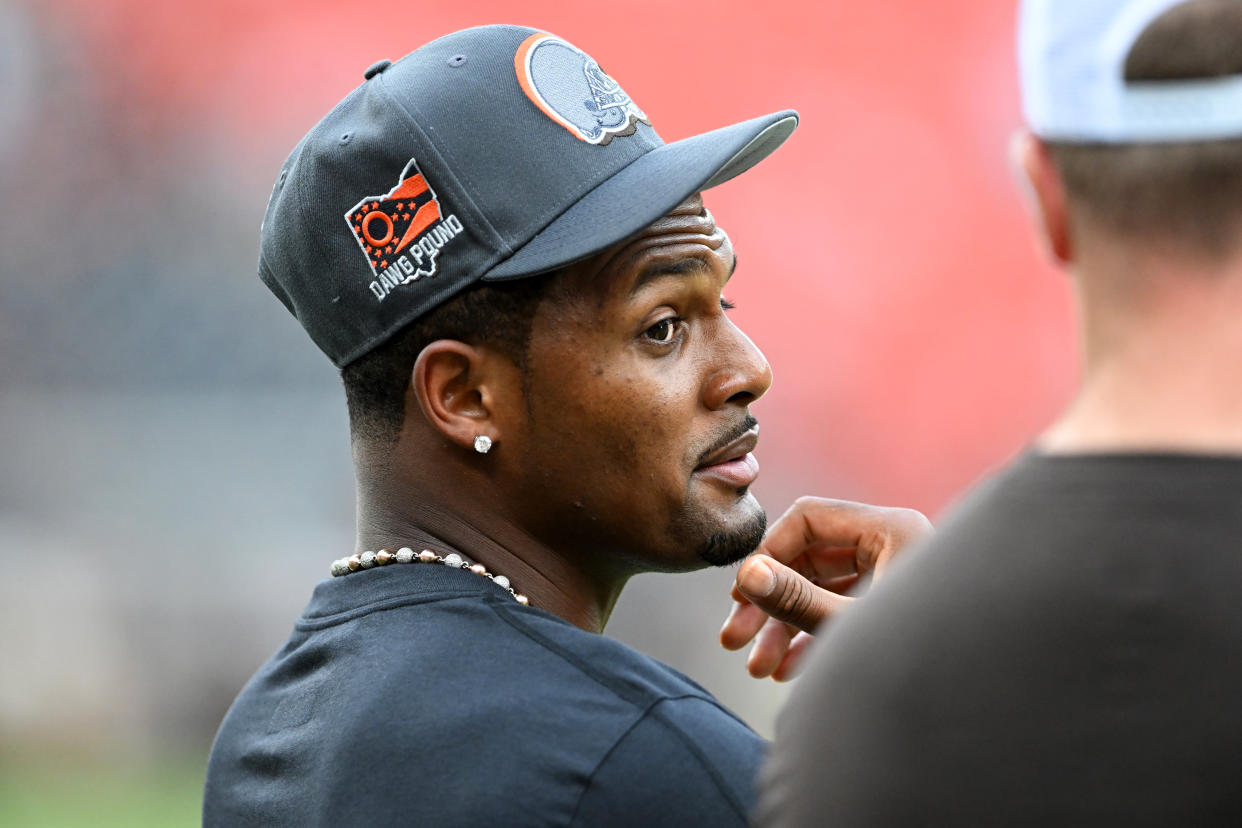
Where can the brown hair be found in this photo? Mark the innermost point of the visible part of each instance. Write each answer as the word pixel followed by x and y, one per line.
pixel 1190 193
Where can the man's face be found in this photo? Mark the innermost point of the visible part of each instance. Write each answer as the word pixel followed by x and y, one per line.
pixel 636 450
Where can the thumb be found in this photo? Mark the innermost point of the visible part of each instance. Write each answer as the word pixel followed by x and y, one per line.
pixel 786 595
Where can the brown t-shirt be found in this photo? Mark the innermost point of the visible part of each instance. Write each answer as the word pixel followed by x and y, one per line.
pixel 1067 650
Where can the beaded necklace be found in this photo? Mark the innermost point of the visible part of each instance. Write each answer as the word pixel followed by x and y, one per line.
pixel 406 555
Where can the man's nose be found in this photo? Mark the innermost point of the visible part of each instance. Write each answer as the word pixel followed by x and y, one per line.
pixel 742 374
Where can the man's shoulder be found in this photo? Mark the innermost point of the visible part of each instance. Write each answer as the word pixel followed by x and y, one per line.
pixel 499 659
pixel 544 711
pixel 1045 565
pixel 497 652
pixel 613 666
pixel 1069 607
pixel 1002 556
pixel 681 763
pixel 1104 517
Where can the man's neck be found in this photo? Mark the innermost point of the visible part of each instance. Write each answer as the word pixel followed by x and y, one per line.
pixel 553 582
pixel 1161 364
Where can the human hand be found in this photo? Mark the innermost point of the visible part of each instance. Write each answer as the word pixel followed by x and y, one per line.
pixel 796 579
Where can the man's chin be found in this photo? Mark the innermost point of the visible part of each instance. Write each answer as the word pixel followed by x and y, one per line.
pixel 730 546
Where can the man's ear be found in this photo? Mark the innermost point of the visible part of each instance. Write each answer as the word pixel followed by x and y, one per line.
pixel 1044 190
pixel 457 389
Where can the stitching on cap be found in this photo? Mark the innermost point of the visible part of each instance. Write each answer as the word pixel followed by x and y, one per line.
pixel 467 190
pixel 316 240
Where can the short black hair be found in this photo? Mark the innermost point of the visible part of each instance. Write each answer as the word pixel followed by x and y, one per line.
pixel 498 314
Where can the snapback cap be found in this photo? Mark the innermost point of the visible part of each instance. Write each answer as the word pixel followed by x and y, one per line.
pixel 1072 56
pixel 493 153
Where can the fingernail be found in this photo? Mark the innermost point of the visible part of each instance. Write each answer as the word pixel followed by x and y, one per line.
pixel 756 577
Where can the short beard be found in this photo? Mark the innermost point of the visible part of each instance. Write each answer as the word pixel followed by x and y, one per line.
pixel 725 548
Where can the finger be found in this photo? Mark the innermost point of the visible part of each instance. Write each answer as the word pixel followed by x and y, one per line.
pixel 819 561
pixel 822 568
pixel 770 647
pixel 785 595
pixel 745 619
pixel 876 532
pixel 816 522
pixel 791 664
pixel 841 585
pixel 740 627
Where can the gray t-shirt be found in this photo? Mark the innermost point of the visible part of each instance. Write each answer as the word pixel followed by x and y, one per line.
pixel 416 694
pixel 1067 650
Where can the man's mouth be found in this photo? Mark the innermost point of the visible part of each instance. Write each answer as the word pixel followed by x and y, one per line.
pixel 733 463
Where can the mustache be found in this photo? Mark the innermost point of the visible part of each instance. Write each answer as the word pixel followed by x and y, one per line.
pixel 733 434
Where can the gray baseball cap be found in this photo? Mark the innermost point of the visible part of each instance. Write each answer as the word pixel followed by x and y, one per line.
pixel 493 153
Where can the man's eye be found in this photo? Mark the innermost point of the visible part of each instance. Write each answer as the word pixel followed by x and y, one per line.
pixel 662 331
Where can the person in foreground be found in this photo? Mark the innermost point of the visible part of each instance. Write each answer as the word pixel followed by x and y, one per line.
pixel 1065 650
pixel 523 289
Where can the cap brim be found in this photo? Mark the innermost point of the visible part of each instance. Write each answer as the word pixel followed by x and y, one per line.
pixel 646 190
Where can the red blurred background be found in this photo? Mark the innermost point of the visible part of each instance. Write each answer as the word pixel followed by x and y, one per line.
pixel 177 455
pixel 887 269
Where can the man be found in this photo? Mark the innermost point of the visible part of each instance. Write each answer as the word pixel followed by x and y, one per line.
pixel 522 287
pixel 1065 651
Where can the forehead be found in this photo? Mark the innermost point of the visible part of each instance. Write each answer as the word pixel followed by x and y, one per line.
pixel 685 240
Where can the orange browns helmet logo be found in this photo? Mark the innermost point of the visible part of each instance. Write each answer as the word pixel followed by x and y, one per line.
pixel 571 89
pixel 402 231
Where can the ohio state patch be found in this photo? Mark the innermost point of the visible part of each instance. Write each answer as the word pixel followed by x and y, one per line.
pixel 402 232
pixel 571 89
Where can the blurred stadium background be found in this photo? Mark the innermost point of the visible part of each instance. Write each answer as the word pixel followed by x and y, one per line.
pixel 175 472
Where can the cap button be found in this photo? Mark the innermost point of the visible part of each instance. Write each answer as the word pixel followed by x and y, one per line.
pixel 375 68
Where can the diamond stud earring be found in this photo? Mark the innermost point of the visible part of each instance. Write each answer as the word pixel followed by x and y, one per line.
pixel 482 444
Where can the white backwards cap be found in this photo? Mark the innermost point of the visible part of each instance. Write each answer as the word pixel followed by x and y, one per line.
pixel 1072 56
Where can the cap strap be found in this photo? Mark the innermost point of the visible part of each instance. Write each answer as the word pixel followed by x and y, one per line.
pixel 1073 56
